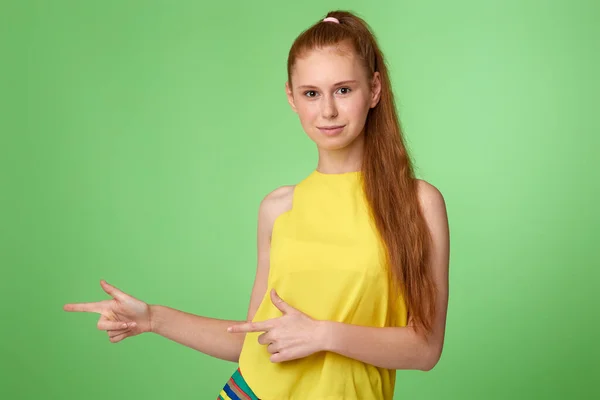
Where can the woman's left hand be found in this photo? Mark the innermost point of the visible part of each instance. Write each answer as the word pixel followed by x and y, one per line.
pixel 293 335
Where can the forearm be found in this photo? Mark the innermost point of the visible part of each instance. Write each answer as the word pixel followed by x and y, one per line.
pixel 206 335
pixel 392 348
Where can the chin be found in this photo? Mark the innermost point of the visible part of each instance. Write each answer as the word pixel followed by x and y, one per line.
pixel 333 143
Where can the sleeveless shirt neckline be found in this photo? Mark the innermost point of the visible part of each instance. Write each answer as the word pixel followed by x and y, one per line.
pixel 336 175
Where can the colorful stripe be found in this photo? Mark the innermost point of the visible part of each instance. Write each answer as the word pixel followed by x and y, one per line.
pixel 237 389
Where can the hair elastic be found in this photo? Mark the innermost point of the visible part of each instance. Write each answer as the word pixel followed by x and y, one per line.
pixel 332 19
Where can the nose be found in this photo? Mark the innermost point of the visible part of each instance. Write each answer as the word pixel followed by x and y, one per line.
pixel 328 107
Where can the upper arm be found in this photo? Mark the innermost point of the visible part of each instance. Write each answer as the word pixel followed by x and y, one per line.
pixel 273 205
pixel 434 211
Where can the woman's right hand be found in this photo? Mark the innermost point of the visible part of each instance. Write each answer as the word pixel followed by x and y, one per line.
pixel 121 317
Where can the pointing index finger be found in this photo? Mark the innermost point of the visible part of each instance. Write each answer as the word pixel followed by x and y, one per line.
pixel 96 307
pixel 262 326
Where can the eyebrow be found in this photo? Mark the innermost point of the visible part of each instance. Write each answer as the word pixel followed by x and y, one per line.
pixel 315 87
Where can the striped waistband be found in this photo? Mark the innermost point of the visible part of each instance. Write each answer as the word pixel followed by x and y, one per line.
pixel 237 389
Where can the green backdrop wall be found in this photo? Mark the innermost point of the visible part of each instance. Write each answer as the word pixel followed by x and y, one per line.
pixel 138 138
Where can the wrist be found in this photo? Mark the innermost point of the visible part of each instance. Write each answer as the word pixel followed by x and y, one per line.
pixel 325 335
pixel 153 318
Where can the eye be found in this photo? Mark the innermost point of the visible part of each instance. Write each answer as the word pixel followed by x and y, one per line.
pixel 344 90
pixel 310 93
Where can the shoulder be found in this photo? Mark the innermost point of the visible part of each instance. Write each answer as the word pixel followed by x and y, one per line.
pixel 281 197
pixel 430 197
pixel 274 204
pixel 433 205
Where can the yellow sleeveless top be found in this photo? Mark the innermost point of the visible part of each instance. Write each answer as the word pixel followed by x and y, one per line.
pixel 328 261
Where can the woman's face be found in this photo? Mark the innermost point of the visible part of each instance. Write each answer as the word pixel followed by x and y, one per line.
pixel 332 94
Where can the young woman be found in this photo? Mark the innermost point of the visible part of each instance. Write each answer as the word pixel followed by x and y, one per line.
pixel 352 276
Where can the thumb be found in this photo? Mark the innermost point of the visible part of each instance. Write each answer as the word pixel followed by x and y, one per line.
pixel 113 291
pixel 280 304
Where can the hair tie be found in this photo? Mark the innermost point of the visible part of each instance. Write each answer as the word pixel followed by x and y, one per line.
pixel 332 19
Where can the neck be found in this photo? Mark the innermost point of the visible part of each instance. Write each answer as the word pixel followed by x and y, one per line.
pixel 339 161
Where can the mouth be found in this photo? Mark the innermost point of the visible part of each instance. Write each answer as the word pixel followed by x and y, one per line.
pixel 331 130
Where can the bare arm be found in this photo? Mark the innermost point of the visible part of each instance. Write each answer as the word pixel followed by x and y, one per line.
pixel 209 335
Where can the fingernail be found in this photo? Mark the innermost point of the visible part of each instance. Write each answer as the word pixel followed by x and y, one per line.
pixel 229 329
pixel 124 325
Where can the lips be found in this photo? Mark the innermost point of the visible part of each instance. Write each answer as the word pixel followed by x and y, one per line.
pixel 330 127
pixel 331 130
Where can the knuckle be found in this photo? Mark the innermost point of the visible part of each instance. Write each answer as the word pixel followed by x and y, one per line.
pixel 265 339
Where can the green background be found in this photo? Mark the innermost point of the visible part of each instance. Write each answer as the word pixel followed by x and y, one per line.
pixel 138 138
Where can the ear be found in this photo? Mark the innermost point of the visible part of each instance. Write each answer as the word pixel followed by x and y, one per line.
pixel 290 96
pixel 375 89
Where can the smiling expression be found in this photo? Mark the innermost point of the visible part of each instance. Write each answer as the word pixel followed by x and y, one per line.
pixel 332 95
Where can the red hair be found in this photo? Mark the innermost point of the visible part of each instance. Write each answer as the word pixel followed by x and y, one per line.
pixel 389 183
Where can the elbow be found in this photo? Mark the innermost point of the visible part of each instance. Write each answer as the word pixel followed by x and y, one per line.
pixel 425 361
pixel 427 366
pixel 430 360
